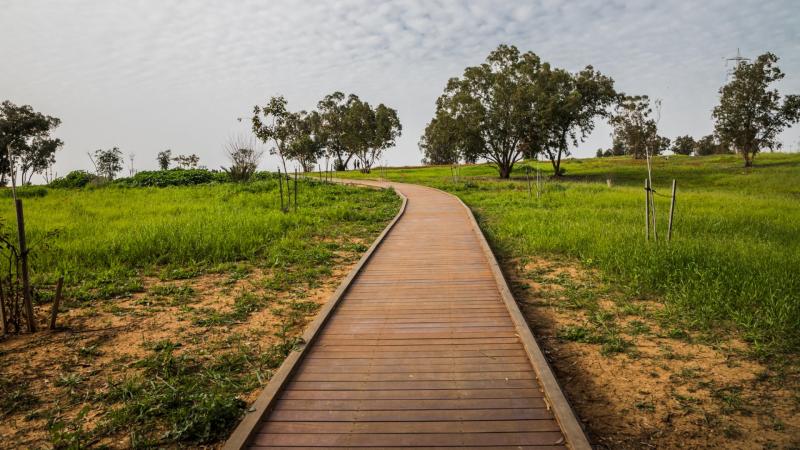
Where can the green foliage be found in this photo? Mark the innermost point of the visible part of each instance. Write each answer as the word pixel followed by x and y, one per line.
pixel 163 158
pixel 635 131
pixel 25 192
pixel 750 116
pixel 74 179
pixel 107 162
pixel 174 177
pixel 25 143
pixel 711 274
pixel 109 236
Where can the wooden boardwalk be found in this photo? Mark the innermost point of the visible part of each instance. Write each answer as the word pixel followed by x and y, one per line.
pixel 421 348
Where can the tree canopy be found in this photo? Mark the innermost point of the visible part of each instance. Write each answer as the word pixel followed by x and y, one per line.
pixel 634 130
pixel 515 106
pixel 750 115
pixel 107 162
pixel 26 147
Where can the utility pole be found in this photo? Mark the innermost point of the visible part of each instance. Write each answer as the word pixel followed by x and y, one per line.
pixel 735 60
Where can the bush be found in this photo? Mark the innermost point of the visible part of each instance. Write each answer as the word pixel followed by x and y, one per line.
pixel 74 179
pixel 174 177
pixel 26 192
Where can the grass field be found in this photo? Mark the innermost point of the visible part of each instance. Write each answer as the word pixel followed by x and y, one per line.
pixel 180 304
pixel 734 258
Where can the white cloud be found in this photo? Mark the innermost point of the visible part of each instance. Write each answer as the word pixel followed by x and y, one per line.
pixel 153 74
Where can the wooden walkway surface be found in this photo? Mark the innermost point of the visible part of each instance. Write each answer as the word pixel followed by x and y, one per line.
pixel 420 350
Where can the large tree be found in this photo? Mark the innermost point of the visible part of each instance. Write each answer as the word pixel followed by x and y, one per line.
pixel 26 147
pixel 750 115
pixel 371 130
pixel 496 102
pixel 683 145
pixel 333 121
pixel 634 130
pixel 567 106
pixel 308 140
pixel 447 141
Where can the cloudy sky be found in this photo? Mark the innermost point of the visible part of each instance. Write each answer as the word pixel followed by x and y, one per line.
pixel 153 74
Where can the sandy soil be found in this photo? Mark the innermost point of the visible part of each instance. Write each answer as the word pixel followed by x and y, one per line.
pixel 670 388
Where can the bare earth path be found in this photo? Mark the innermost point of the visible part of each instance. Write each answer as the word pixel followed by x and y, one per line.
pixel 422 349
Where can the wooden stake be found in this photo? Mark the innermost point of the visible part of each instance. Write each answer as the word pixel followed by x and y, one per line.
pixel 653 211
pixel 646 209
pixel 528 177
pixel 56 303
pixel 3 321
pixel 671 210
pixel 23 251
pixel 295 189
pixel 280 184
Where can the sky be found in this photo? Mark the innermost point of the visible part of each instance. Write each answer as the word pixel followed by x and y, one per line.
pixel 147 75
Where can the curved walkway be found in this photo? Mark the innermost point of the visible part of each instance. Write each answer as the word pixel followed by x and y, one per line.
pixel 424 348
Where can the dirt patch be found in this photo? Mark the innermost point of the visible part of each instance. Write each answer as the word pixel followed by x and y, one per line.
pixel 639 379
pixel 54 381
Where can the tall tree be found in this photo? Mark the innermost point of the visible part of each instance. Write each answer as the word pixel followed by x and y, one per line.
pixel 333 121
pixel 274 123
pixel 634 130
pixel 164 158
pixel 26 147
pixel 308 140
pixel 496 102
pixel 187 161
pixel 683 145
pixel 750 115
pixel 447 141
pixel 107 162
pixel 567 107
pixel 370 131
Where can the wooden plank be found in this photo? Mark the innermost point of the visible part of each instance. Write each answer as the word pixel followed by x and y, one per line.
pixel 478 426
pixel 432 394
pixel 410 416
pixel 406 439
pixel 244 431
pixel 423 350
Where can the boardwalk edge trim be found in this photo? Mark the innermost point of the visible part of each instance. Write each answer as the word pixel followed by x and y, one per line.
pixel 562 410
pixel 258 410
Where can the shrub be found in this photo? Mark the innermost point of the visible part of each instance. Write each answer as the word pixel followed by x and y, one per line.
pixel 74 179
pixel 174 177
pixel 26 192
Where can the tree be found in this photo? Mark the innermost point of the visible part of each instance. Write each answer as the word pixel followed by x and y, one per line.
pixel 370 131
pixel 495 103
pixel 308 139
pixel 567 106
pixel 107 162
pixel 708 145
pixel 634 130
pixel 683 145
pixel 750 116
pixel 26 147
pixel 333 123
pixel 274 122
pixel 244 158
pixel 187 161
pixel 446 141
pixel 164 158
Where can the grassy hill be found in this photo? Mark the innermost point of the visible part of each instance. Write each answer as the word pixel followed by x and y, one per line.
pixel 734 258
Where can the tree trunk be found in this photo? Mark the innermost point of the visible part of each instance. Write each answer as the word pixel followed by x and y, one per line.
pixel 505 170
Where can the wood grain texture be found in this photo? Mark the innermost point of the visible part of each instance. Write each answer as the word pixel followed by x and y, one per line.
pixel 422 350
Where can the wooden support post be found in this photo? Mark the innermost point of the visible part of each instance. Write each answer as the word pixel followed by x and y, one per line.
pixel 528 177
pixel 280 184
pixel 23 251
pixel 646 209
pixel 671 210
pixel 56 303
pixel 3 320
pixel 653 211
pixel 295 189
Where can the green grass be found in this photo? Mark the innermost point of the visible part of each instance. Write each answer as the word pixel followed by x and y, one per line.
pixel 104 239
pixel 734 258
